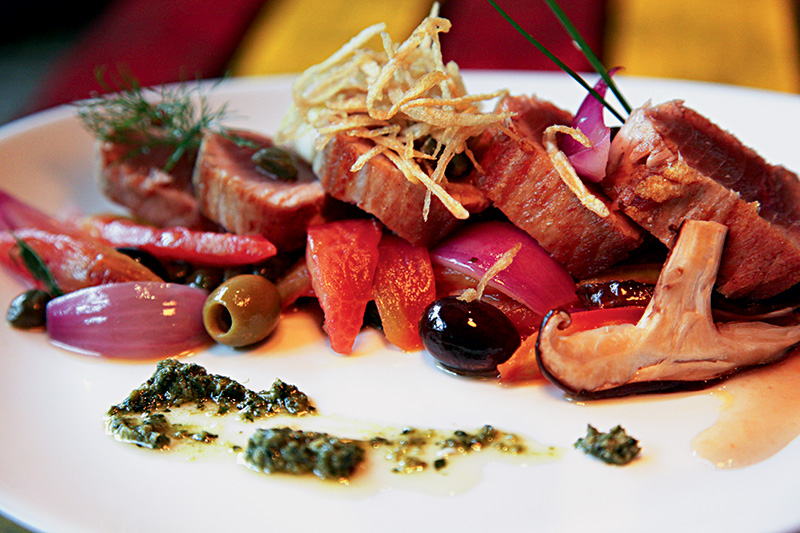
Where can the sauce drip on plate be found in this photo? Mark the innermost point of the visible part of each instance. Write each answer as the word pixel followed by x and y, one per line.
pixel 760 417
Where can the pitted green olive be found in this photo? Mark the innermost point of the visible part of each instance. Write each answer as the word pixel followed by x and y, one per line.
pixel 242 310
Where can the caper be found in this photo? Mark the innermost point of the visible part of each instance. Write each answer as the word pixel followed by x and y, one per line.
pixel 243 310
pixel 28 309
pixel 276 162
pixel 207 279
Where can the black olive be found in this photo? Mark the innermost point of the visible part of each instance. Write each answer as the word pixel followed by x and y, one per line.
pixel 469 338
pixel 146 259
pixel 28 309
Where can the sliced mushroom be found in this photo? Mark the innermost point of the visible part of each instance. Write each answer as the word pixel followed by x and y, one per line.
pixel 675 343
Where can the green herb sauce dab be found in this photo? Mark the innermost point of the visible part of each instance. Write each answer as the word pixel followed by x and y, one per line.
pixel 298 452
pixel 146 418
pixel 175 383
pixel 615 447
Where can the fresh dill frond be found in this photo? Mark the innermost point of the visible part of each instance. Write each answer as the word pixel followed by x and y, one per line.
pixel 563 66
pixel 146 118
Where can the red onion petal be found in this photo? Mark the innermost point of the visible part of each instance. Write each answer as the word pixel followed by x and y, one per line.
pixel 131 320
pixel 533 278
pixel 590 163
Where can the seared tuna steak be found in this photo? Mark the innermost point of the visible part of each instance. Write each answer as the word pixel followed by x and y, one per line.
pixel 668 163
pixel 381 189
pixel 236 193
pixel 138 181
pixel 521 180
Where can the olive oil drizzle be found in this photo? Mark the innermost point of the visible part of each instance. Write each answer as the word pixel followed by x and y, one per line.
pixel 760 416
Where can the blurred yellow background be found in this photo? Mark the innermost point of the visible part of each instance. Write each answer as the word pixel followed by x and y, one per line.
pixel 742 42
pixel 752 43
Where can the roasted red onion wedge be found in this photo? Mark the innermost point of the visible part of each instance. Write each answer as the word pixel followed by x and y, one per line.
pixel 533 278
pixel 675 343
pixel 133 320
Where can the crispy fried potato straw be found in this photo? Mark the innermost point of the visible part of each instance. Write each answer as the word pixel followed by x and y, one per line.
pixel 567 171
pixel 501 264
pixel 394 97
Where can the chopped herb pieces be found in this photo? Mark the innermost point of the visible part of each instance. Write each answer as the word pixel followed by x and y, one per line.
pixel 297 452
pixel 614 447
pixel 175 383
pixel 150 431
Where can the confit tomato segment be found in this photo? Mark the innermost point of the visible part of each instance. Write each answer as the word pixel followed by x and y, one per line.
pixel 178 243
pixel 75 263
pixel 402 289
pixel 341 258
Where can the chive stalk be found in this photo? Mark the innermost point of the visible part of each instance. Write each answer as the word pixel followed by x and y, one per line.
pixel 563 65
pixel 587 51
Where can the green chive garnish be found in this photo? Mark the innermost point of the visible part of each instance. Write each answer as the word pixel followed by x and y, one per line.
pixel 587 51
pixel 558 62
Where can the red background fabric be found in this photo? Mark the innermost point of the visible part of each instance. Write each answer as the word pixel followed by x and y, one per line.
pixel 166 41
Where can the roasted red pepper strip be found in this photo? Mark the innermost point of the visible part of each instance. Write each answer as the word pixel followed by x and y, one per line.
pixel 75 263
pixel 196 247
pixel 523 366
pixel 341 258
pixel 403 286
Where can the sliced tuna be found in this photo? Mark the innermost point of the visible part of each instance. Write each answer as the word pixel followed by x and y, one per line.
pixel 520 179
pixel 668 163
pixel 139 182
pixel 382 190
pixel 235 193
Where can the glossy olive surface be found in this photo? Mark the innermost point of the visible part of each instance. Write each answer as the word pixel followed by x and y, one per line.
pixel 469 338
pixel 242 310
pixel 27 310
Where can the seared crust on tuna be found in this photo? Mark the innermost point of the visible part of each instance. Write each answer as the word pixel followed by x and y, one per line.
pixel 520 179
pixel 382 190
pixel 137 180
pixel 668 163
pixel 231 191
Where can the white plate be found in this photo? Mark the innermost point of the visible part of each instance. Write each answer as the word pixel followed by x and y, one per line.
pixel 60 472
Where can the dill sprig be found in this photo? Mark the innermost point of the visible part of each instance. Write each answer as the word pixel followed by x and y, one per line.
pixel 37 268
pixel 563 66
pixel 147 118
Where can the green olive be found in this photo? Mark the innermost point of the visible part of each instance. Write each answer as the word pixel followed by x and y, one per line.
pixel 28 309
pixel 242 310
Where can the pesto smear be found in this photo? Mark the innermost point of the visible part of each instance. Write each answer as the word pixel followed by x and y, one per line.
pixel 175 383
pixel 615 447
pixel 149 417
